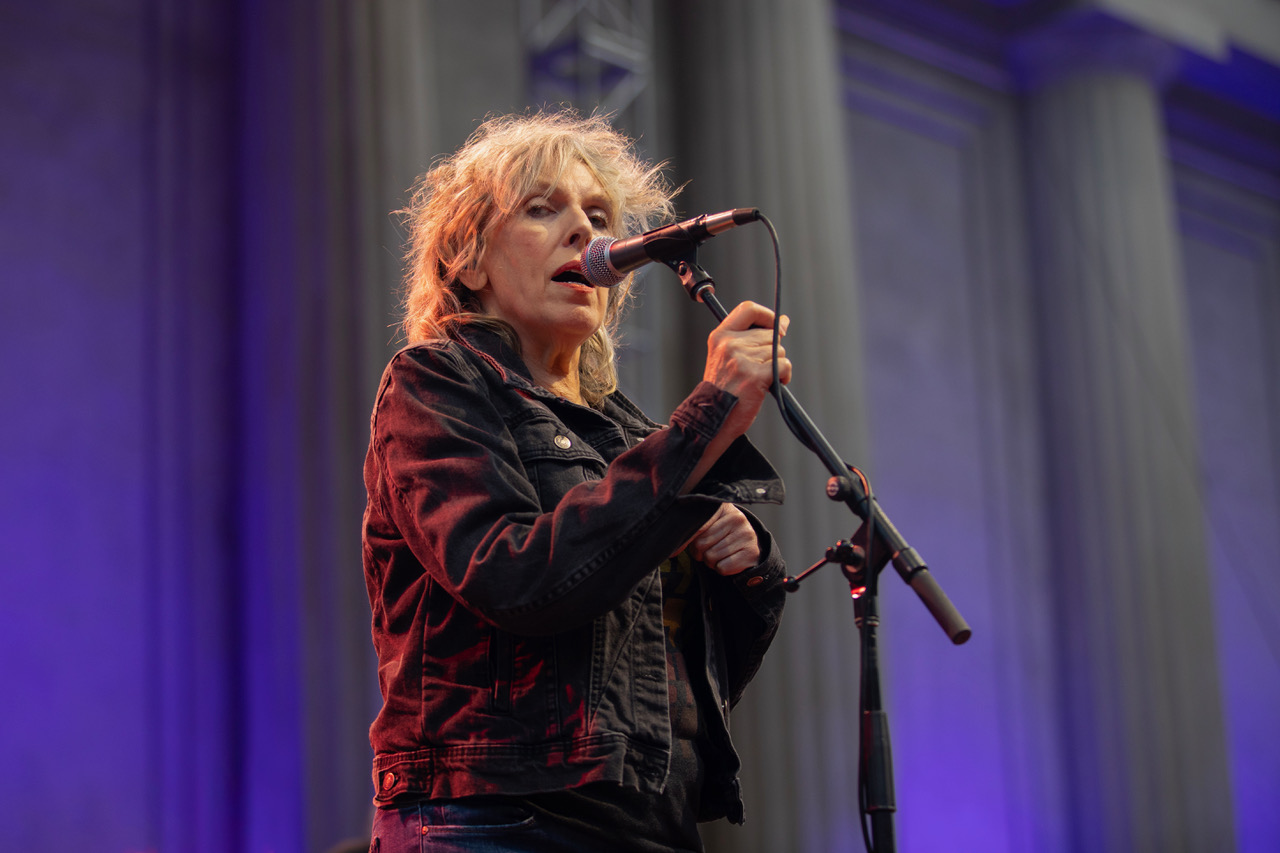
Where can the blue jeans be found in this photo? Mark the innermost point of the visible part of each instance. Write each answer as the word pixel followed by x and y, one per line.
pixel 473 825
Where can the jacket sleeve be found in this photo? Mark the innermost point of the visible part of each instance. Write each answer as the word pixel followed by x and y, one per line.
pixel 748 608
pixel 446 472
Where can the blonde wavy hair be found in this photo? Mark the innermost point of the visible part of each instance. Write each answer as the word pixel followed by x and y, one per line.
pixel 465 198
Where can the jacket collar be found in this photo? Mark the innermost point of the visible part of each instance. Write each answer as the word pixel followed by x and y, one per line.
pixel 492 348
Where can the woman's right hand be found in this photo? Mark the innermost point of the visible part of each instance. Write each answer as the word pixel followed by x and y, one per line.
pixel 740 361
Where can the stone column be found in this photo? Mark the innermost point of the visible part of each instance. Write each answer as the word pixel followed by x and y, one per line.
pixel 1138 665
pixel 758 122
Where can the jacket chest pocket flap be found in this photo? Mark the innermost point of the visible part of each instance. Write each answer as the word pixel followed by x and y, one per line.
pixel 555 458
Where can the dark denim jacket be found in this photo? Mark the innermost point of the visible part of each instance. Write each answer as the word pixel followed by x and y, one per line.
pixel 511 546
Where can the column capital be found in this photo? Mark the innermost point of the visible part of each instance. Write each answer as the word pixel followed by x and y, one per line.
pixel 1090 40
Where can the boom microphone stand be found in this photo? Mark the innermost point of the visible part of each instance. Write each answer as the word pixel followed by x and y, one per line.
pixel 878 538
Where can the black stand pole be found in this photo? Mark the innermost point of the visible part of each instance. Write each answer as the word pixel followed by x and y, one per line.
pixel 875 756
pixel 878 537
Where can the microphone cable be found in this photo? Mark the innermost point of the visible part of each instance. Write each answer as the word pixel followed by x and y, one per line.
pixel 784 406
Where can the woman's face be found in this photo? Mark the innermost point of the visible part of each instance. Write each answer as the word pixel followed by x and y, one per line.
pixel 543 241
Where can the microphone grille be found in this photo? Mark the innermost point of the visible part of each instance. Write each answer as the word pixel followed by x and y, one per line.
pixel 596 268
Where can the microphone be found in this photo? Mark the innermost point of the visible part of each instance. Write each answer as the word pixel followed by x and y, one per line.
pixel 606 261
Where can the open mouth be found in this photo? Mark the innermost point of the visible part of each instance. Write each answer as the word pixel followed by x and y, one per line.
pixel 569 275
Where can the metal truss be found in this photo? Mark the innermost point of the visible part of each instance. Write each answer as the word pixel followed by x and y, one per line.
pixel 593 54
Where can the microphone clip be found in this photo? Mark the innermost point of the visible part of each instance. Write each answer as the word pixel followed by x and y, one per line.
pixel 696 281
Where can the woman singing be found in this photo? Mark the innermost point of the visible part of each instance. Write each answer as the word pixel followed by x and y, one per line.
pixel 567 597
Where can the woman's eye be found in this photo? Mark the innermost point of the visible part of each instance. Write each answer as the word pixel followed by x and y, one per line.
pixel 599 221
pixel 538 209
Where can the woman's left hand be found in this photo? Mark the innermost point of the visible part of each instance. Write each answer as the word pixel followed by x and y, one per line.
pixel 727 543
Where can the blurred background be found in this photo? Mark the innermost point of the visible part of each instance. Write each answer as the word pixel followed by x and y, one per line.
pixel 1031 249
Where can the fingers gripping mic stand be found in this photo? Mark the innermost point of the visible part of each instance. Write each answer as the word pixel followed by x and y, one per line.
pixel 878 537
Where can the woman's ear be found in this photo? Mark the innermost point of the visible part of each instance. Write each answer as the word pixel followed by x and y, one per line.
pixel 473 279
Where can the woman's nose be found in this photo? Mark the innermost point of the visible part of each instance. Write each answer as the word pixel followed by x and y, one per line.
pixel 579 227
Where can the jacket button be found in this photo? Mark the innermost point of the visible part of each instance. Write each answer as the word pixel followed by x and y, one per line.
pixel 563 442
pixel 388 780
pixel 755 581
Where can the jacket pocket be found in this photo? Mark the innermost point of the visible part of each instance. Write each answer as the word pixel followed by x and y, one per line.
pixel 555 459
